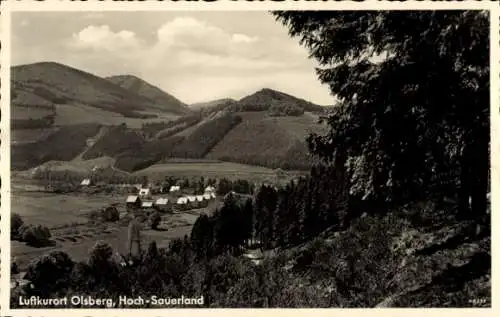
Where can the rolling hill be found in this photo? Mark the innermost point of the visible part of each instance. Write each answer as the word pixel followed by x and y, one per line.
pixel 48 93
pixel 140 87
pixel 268 98
pixel 212 103
pixel 267 128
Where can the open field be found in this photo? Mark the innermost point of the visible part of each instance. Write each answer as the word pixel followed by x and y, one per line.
pixel 210 168
pixel 75 235
pixel 53 210
pixel 75 114
pixel 78 241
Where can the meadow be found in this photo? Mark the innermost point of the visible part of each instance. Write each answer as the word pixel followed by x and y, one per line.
pixel 73 233
pixel 214 169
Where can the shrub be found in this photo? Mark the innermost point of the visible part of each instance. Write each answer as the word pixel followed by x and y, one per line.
pixel 16 222
pixel 37 236
pixel 155 219
pixel 110 214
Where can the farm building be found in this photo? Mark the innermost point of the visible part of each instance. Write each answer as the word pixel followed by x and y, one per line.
pixel 133 201
pixel 200 201
pixel 209 189
pixel 147 204
pixel 144 192
pixel 181 203
pixel 174 189
pixel 162 204
pixel 86 182
pixel 161 201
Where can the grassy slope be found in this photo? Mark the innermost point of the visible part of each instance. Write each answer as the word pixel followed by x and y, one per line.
pixel 62 145
pixel 52 86
pixel 260 140
pixel 140 87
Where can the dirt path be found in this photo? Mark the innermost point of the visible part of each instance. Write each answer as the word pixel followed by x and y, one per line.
pixel 97 137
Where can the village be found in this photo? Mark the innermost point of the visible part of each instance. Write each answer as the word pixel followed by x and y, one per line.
pixel 100 209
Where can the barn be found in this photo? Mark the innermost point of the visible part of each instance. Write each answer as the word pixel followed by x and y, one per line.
pixel 162 204
pixel 174 189
pixel 181 203
pixel 210 189
pixel 200 201
pixel 146 204
pixel 133 202
pixel 86 182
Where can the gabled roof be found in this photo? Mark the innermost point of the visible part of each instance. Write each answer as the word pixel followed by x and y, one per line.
pixel 132 199
pixel 175 188
pixel 161 201
pixel 191 198
pixel 86 181
pixel 199 197
pixel 207 196
pixel 209 189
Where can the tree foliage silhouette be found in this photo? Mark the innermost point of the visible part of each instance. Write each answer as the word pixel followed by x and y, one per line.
pixel 413 87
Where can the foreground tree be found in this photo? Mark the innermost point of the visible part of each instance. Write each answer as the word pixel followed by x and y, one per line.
pixel 413 90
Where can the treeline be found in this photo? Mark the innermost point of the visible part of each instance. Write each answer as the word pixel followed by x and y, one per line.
pixel 295 158
pixel 30 123
pixel 285 110
pixel 165 129
pixel 201 141
pixel 279 217
pixel 128 113
pixel 147 154
pixel 223 281
pixel 62 145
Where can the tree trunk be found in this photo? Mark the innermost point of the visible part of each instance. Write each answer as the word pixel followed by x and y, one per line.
pixel 472 201
pixel 479 177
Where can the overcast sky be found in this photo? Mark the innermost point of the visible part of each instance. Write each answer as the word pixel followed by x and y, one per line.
pixel 195 56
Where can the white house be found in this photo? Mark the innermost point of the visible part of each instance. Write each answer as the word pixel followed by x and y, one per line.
pixel 209 189
pixel 182 200
pixel 161 201
pixel 144 192
pixel 132 199
pixel 174 188
pixel 147 204
pixel 207 196
pixel 85 182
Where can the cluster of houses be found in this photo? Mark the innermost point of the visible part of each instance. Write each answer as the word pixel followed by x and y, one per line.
pixel 176 201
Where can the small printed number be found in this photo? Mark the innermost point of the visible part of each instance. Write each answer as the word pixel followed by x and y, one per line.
pixel 477 301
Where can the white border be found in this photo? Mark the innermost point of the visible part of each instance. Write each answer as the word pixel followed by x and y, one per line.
pixel 221 5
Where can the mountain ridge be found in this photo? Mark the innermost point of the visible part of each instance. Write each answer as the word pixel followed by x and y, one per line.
pixel 143 88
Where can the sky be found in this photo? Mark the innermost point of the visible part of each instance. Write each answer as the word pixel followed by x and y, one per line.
pixel 195 56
